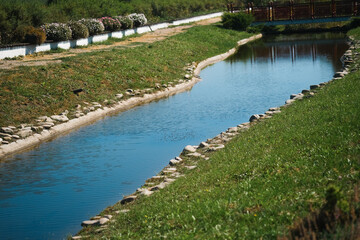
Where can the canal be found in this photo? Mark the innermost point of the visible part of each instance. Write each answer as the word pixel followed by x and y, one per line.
pixel 47 192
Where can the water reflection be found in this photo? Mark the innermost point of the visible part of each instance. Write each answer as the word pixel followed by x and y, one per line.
pixel 293 47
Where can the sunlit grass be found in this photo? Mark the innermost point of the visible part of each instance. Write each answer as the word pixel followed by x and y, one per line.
pixel 263 181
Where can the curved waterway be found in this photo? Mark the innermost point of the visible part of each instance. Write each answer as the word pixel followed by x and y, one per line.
pixel 45 193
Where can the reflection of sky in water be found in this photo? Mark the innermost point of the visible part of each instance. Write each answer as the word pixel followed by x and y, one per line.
pixel 47 192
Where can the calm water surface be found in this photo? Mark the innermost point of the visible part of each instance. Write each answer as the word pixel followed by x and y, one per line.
pixel 46 193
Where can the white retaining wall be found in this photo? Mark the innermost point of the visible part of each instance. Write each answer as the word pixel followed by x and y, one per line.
pixel 195 19
pixel 11 52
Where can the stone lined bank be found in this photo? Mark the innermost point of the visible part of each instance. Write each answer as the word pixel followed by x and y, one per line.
pixel 190 155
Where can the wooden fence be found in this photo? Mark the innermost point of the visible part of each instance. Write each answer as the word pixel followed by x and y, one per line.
pixel 297 11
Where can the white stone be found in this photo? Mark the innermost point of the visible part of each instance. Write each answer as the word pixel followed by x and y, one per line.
pixel 159 186
pixel 76 237
pixel 339 74
pixel 103 221
pixel 189 148
pixel 128 199
pixel 314 86
pixel 254 117
pixel 119 96
pixel 146 192
pixel 178 158
pixel 89 223
pixel 42 118
pixel 274 109
pixel 173 162
pixel 60 118
pixel 48 126
pixel 195 154
pixel 24 133
pixel 289 101
pixel 232 129
pixel 7 130
pixel 4 134
pixel 217 147
pixel 203 145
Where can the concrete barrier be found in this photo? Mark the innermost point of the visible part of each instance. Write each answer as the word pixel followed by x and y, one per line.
pixel 11 52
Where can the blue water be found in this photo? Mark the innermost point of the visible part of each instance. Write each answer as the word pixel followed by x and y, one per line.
pixel 47 192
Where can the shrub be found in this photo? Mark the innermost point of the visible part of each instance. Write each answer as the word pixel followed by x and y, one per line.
pixel 255 29
pixel 57 31
pixel 19 34
pixel 94 26
pixel 35 35
pixel 78 30
pixel 237 21
pixel 354 23
pixel 125 22
pixel 138 19
pixel 111 24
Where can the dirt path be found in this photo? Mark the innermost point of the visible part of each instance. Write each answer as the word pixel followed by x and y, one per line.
pixel 44 59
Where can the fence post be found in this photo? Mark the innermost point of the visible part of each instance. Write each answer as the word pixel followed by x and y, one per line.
pixel 333 8
pixel 269 11
pixel 355 7
pixel 291 3
pixel 312 7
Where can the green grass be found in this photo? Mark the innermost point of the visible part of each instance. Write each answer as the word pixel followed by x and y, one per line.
pixel 303 28
pixel 263 181
pixel 29 92
pixel 355 33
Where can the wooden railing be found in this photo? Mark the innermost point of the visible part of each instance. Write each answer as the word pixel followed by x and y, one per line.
pixel 297 11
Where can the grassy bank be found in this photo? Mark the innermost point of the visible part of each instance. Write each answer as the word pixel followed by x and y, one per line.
pixel 303 28
pixel 30 92
pixel 263 181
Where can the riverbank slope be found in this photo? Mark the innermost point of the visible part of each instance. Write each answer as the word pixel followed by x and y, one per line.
pixel 88 81
pixel 263 181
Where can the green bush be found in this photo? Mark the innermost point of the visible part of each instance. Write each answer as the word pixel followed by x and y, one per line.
pixel 29 34
pixel 78 30
pixel 57 31
pixel 125 22
pixel 19 34
pixel 354 23
pixel 237 21
pixel 34 35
